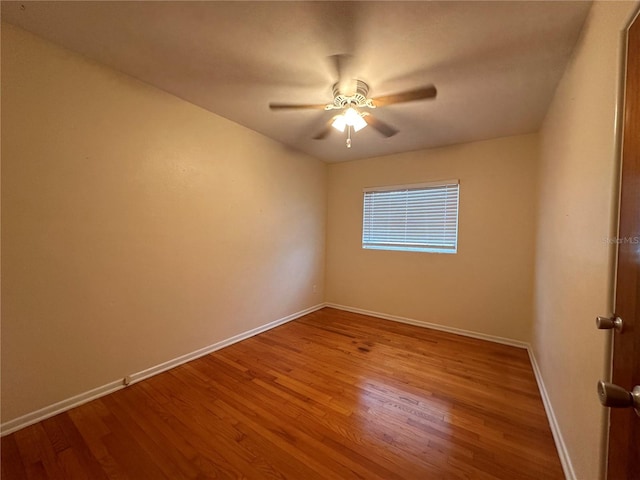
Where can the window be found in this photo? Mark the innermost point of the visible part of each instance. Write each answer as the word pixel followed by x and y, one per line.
pixel 416 218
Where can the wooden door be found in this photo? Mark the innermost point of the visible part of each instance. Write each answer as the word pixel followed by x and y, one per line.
pixel 624 430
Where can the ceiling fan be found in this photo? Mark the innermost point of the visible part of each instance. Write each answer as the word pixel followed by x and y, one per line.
pixel 351 105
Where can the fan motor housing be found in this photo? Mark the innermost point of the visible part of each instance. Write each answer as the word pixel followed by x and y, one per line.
pixel 358 99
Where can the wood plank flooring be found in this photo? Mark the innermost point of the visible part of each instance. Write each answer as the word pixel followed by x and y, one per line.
pixel 332 395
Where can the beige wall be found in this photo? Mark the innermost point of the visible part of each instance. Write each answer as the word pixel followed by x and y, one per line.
pixel 574 264
pixel 136 227
pixel 487 286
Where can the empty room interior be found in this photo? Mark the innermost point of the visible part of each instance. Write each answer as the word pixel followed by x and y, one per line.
pixel 304 240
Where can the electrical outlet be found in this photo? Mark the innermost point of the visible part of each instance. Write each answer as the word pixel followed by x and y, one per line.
pixel 315 288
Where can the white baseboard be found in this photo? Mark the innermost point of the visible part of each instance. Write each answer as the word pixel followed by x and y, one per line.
pixel 59 407
pixel 563 453
pixel 64 405
pixel 434 326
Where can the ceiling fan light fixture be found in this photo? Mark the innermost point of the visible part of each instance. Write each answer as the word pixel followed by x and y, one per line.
pixel 352 118
pixel 358 123
pixel 339 123
pixel 350 115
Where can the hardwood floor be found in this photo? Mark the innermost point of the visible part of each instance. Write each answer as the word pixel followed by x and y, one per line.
pixel 332 395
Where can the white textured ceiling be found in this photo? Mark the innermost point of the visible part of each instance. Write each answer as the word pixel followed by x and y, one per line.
pixel 495 64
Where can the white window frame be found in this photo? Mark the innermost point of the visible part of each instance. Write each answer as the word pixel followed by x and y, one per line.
pixel 392 238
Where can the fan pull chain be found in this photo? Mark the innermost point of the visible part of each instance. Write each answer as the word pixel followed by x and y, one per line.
pixel 349 137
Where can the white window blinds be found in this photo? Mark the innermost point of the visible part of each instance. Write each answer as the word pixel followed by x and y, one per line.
pixel 421 218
